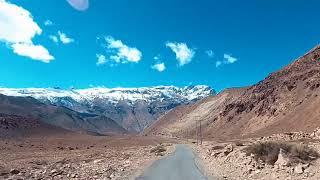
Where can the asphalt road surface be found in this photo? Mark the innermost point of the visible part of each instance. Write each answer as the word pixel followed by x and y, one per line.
pixel 180 165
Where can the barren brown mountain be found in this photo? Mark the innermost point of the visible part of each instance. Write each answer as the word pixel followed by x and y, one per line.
pixel 13 126
pixel 21 115
pixel 287 100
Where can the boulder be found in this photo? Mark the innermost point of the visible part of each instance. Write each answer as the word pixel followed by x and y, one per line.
pixel 14 171
pixel 316 134
pixel 299 169
pixel 228 149
pixel 215 154
pixel 283 159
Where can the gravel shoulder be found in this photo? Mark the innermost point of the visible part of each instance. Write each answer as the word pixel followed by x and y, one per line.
pixel 77 157
pixel 228 160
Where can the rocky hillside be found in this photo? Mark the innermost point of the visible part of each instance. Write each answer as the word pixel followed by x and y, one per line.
pixel 132 108
pixel 21 114
pixel 18 126
pixel 287 100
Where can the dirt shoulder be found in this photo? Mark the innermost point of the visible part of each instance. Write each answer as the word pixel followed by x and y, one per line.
pixel 78 157
pixel 229 161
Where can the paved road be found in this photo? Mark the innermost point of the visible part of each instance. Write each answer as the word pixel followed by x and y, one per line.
pixel 178 166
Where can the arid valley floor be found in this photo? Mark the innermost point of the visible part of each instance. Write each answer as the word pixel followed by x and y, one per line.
pixel 75 156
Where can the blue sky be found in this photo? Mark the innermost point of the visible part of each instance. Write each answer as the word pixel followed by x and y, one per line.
pixel 146 43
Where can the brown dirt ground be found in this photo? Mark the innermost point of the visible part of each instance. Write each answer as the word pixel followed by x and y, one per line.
pixel 76 156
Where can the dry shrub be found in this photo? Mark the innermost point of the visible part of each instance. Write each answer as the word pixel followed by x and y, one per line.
pixel 268 152
pixel 300 153
pixel 217 147
pixel 158 150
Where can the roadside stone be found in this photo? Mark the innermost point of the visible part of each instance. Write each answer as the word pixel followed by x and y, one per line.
pixel 316 134
pixel 97 161
pixel 14 171
pixel 215 154
pixel 111 176
pixel 53 171
pixel 283 159
pixel 228 149
pixel 298 169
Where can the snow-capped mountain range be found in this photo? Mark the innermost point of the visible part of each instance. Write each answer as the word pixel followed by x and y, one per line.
pixel 114 95
pixel 132 108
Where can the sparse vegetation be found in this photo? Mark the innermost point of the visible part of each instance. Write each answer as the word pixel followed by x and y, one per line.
pixel 268 152
pixel 217 147
pixel 158 150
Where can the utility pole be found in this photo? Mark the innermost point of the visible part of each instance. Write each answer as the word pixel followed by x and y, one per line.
pixel 197 132
pixel 200 133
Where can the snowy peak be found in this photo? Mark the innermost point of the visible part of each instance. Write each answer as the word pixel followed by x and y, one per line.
pixel 114 95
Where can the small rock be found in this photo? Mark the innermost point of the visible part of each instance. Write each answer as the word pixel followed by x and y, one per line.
pixel 97 161
pixel 14 171
pixel 283 160
pixel 305 166
pixel 298 169
pixel 53 171
pixel 127 162
pixel 215 154
pixel 228 149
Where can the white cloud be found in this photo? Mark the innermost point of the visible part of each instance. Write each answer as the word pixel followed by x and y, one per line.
pixel 120 52
pixel 229 59
pixel 218 63
pixel 183 54
pixel 18 29
pixel 48 22
pixel 101 59
pixel 54 38
pixel 36 52
pixel 61 37
pixel 159 67
pixel 210 53
pixel 17 25
pixel 64 38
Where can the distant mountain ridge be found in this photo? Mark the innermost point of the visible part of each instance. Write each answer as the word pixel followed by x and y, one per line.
pixel 132 108
pixel 287 100
pixel 29 111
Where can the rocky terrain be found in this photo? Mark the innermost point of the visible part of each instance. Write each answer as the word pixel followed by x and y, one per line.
pixel 133 109
pixel 19 126
pixel 78 157
pixel 285 101
pixel 228 160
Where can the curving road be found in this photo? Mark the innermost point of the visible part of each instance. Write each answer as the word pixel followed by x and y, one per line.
pixel 178 166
